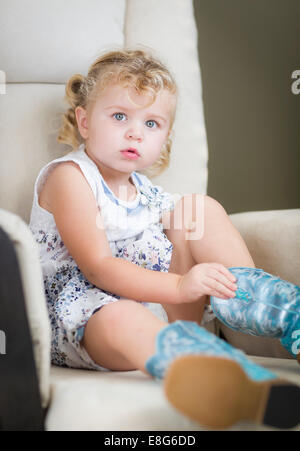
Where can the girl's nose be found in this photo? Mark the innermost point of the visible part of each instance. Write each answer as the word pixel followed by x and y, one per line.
pixel 135 134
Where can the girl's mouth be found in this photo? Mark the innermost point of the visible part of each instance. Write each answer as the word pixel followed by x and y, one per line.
pixel 131 154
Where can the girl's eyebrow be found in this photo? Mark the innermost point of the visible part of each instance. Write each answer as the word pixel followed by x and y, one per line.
pixel 116 106
pixel 120 107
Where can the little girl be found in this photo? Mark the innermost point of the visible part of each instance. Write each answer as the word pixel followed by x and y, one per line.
pixel 126 288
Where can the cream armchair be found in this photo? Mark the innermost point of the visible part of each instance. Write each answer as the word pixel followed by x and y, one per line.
pixel 45 45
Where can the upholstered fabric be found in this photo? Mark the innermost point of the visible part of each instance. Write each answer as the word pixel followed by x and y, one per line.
pixel 28 128
pixel 128 401
pixel 273 239
pixel 46 42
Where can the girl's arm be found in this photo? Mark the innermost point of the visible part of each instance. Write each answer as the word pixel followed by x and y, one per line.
pixel 76 214
pixel 133 282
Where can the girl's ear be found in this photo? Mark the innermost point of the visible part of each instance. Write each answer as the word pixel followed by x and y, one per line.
pixel 81 118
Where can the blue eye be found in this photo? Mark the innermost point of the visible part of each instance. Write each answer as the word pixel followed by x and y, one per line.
pixel 154 123
pixel 119 116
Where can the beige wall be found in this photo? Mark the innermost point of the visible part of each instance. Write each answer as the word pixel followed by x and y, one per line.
pixel 248 50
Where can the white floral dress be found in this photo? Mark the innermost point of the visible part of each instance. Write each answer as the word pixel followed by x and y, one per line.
pixel 134 233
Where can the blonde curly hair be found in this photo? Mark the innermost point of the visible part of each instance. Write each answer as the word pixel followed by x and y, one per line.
pixel 129 68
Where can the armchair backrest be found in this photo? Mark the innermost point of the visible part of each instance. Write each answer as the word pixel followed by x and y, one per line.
pixel 44 43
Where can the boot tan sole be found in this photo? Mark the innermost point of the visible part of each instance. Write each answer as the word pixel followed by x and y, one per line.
pixel 217 393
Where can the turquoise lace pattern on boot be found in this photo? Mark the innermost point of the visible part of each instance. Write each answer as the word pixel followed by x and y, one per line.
pixel 265 305
pixel 185 338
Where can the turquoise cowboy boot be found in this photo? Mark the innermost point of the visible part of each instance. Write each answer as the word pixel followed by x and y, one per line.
pixel 217 385
pixel 264 305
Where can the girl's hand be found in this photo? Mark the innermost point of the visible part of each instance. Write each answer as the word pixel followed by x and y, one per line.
pixel 212 279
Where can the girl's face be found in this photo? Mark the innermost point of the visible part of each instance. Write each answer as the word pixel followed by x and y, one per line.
pixel 115 124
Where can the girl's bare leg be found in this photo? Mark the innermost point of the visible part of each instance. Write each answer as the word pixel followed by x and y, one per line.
pixel 121 336
pixel 201 232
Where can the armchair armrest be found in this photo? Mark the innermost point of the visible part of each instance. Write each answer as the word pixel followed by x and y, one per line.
pixel 273 240
pixel 20 404
pixel 27 258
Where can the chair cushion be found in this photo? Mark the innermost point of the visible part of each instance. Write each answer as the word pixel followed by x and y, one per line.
pixel 91 400
pixel 127 401
pixel 30 119
pixel 49 41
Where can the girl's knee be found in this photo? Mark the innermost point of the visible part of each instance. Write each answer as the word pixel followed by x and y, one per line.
pixel 104 334
pixel 212 206
pixel 115 312
pixel 110 319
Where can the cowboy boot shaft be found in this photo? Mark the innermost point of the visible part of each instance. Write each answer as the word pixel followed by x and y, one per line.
pixel 264 305
pixel 188 338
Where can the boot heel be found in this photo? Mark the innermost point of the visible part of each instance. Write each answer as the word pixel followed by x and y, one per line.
pixel 283 406
pixel 216 393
